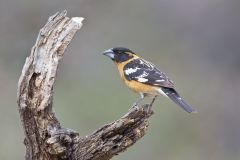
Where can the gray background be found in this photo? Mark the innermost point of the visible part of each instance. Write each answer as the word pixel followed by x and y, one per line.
pixel 196 42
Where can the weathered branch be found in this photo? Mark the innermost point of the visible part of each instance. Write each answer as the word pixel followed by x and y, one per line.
pixel 45 139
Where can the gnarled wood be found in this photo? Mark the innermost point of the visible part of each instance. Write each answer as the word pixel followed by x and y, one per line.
pixel 45 139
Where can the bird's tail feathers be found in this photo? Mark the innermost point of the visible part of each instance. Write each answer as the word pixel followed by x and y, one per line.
pixel 175 97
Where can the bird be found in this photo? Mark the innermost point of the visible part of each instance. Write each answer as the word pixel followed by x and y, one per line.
pixel 144 78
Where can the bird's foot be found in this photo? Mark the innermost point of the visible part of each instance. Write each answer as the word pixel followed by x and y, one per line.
pixel 134 107
pixel 147 108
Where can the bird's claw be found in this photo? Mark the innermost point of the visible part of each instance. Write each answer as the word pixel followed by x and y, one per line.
pixel 134 107
pixel 147 108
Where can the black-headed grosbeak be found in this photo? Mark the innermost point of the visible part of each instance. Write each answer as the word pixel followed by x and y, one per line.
pixel 144 77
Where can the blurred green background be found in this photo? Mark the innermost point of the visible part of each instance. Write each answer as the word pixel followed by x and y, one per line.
pixel 196 42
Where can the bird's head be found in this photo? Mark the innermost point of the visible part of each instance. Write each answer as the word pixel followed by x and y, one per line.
pixel 119 54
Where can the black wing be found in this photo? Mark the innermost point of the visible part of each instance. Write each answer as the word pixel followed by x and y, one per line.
pixel 145 72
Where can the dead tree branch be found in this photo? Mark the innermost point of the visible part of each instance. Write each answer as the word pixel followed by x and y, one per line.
pixel 45 139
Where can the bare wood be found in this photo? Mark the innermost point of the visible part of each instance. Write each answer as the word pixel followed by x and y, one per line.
pixel 45 139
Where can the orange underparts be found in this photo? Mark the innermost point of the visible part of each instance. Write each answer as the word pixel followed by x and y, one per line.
pixel 137 87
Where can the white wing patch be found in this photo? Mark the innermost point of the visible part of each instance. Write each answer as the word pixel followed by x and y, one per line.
pixel 141 61
pixel 140 79
pixel 131 70
pixel 160 80
pixel 145 74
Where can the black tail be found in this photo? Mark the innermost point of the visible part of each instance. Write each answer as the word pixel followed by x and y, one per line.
pixel 173 95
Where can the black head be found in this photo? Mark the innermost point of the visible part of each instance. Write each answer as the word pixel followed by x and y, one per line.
pixel 119 54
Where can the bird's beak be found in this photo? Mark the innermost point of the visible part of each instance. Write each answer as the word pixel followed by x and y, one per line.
pixel 109 53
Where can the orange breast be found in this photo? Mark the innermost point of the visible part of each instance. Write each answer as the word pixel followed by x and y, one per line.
pixel 143 88
pixel 136 86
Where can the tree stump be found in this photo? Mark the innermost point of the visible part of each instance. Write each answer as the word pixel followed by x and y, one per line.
pixel 45 139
